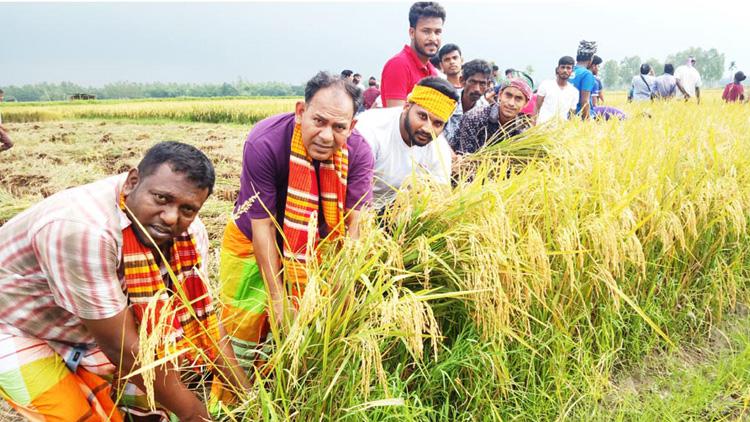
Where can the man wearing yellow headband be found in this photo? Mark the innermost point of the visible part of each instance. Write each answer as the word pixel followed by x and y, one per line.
pixel 408 140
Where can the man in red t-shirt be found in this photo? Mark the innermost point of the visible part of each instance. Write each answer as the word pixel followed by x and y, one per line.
pixel 735 91
pixel 411 64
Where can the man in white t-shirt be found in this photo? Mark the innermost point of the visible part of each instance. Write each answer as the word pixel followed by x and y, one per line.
pixel 557 99
pixel 408 140
pixel 5 142
pixel 688 76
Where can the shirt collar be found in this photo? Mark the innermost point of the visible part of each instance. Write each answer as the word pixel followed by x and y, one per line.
pixel 122 217
pixel 427 67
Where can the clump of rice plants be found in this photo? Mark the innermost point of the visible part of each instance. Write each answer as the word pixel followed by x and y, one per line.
pixel 520 296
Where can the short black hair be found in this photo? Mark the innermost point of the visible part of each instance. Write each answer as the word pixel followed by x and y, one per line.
pixel 346 73
pixel 324 80
pixel 596 60
pixel 475 66
pixel 357 74
pixel 425 9
pixel 510 70
pixel 645 68
pixel 372 81
pixel 495 68
pixel 182 158
pixel 435 60
pixel 441 85
pixel 446 49
pixel 566 60
pixel 669 68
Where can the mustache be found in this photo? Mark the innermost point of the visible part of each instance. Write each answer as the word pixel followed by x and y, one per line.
pixel 422 134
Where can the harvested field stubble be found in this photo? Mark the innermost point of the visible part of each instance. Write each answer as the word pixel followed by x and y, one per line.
pixel 506 297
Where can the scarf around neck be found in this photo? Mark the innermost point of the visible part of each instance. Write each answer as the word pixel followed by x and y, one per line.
pixel 183 312
pixel 305 191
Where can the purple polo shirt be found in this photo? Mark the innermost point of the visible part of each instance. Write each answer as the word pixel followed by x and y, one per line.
pixel 265 171
pixel 401 73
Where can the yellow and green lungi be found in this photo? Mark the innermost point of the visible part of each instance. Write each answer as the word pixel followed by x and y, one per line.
pixel 37 382
pixel 244 298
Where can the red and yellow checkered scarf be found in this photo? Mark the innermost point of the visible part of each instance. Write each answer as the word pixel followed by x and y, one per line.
pixel 191 322
pixel 303 201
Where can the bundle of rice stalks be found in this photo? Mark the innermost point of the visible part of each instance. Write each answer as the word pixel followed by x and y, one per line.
pixel 612 240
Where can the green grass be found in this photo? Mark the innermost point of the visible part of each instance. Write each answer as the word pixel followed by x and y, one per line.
pixel 707 381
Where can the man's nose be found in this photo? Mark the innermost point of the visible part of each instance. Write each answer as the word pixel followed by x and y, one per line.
pixel 170 215
pixel 326 133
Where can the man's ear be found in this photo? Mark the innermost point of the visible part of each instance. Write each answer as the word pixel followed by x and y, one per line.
pixel 461 79
pixel 351 126
pixel 131 181
pixel 412 33
pixel 299 108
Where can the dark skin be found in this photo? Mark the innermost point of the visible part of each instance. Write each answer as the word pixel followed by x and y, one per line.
pixel 417 125
pixel 562 73
pixel 510 103
pixel 5 142
pixel 165 203
pixel 474 87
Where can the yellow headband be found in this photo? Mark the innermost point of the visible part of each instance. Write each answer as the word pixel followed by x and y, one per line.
pixel 433 101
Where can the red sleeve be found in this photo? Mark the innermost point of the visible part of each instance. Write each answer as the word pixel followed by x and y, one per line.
pixel 394 84
pixel 725 94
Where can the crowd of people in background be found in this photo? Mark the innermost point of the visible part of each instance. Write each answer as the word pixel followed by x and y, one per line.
pixel 495 108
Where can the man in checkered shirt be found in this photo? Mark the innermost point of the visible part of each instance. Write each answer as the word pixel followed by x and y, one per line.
pixel 67 310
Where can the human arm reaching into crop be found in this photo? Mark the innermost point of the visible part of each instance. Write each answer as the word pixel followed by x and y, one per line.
pixel 118 338
pixel 269 261
pixel 585 106
pixel 682 89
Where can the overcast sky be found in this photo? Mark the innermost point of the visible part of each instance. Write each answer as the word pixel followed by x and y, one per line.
pixel 96 43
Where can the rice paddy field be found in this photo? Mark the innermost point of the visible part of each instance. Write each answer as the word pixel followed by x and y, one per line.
pixel 606 278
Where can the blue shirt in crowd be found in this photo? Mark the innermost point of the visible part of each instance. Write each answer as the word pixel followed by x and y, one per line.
pixel 583 80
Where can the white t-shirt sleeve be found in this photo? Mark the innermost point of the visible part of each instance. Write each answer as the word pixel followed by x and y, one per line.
pixel 542 91
pixel 678 73
pixel 440 166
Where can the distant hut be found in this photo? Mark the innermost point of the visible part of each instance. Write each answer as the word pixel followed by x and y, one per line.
pixel 82 97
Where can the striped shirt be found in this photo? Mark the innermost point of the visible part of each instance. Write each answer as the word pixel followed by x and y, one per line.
pixel 61 260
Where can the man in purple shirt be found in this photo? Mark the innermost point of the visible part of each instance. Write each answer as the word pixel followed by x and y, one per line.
pixel 318 144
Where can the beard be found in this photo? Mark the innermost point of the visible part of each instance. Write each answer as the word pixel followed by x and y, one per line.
pixel 414 140
pixel 422 51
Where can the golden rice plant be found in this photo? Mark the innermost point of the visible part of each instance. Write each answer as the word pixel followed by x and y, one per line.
pixel 526 292
pixel 238 111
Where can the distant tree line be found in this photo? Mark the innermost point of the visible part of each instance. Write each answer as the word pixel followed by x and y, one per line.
pixel 129 90
pixel 618 74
